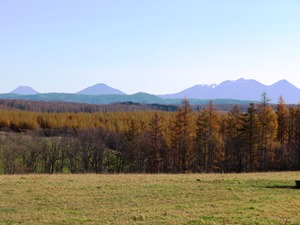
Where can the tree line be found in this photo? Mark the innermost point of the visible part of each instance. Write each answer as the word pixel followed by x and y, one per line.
pixel 64 107
pixel 262 138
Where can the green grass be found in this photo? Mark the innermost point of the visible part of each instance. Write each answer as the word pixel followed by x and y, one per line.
pixel 258 198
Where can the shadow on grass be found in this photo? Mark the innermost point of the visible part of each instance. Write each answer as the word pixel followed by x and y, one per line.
pixel 283 187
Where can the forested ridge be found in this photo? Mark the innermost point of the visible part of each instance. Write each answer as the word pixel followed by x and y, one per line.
pixel 261 138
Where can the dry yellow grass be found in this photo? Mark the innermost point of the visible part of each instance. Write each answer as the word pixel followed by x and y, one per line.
pixel 259 198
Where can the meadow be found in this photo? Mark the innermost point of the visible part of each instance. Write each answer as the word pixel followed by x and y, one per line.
pixel 249 198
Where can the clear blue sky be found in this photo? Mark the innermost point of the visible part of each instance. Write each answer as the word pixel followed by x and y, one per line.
pixel 155 46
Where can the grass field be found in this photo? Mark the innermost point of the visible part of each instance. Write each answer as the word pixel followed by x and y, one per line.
pixel 260 198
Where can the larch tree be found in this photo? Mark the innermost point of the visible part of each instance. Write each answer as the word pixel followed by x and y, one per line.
pixel 156 145
pixel 267 132
pixel 235 150
pixel 296 137
pixel 249 135
pixel 282 131
pixel 291 160
pixel 208 141
pixel 182 140
pixel 282 120
pixel 132 153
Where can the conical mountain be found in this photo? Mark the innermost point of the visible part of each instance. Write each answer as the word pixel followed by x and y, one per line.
pixel 24 90
pixel 100 89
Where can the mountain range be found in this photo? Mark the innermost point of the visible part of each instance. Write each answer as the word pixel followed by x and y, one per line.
pixel 241 90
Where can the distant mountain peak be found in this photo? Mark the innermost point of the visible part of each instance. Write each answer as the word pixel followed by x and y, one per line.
pixel 24 90
pixel 283 81
pixel 242 89
pixel 241 80
pixel 284 84
pixel 100 89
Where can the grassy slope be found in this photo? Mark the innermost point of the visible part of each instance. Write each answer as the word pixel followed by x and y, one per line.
pixel 266 198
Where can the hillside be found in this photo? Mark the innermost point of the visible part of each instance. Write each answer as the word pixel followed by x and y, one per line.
pixel 91 99
pixel 142 98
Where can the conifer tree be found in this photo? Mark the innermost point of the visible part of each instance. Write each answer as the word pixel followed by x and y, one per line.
pixel 235 150
pixel 208 140
pixel 156 145
pixel 182 142
pixel 291 158
pixel 282 120
pixel 132 153
pixel 267 132
pixel 282 131
pixel 249 133
pixel 296 137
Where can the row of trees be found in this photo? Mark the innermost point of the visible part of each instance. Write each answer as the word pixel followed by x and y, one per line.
pixel 261 139
pixel 63 107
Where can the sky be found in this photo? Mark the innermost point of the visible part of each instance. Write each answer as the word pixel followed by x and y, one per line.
pixel 154 46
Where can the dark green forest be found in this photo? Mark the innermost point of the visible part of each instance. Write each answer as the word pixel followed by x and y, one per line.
pixel 135 139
